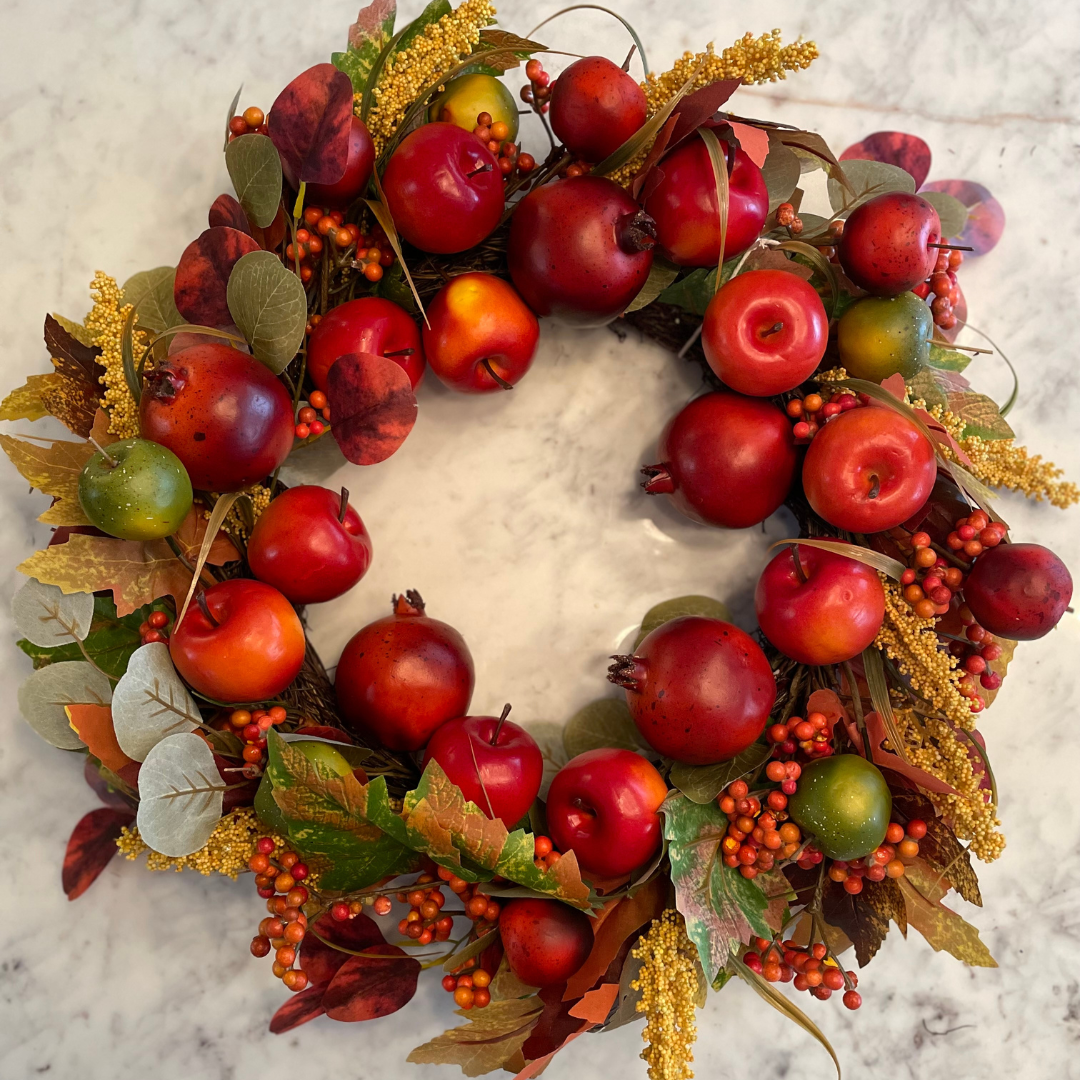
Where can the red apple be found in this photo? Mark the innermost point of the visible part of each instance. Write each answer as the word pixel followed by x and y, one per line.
pixel 826 614
pixel 480 337
pixel 367 325
pixel 885 246
pixel 596 107
pixel 1018 591
pixel 868 470
pixel 546 941
pixel 444 189
pixel 580 250
pixel 603 805
pixel 725 460
pixel 241 642
pixel 400 677
pixel 496 763
pixel 311 544
pixel 357 171
pixel 765 332
pixel 687 213
pixel 699 690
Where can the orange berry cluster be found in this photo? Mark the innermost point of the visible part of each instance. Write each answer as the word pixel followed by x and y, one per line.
pixel 886 860
pixel 308 420
pixel 789 219
pixel 495 135
pixel 756 836
pixel 544 854
pixel 942 283
pixel 425 922
pixel 929 583
pixel 470 989
pixel 252 728
pixel 286 925
pixel 813 736
pixel 805 967
pixel 250 122
pixel 152 630
pixel 538 90
pixel 810 413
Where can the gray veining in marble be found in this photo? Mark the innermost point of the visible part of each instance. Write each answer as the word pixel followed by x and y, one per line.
pixel 519 520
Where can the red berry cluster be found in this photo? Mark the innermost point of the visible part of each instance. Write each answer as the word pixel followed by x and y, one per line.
pixel 495 135
pixel 812 411
pixel 813 736
pixel 756 836
pixel 974 534
pixel 152 630
pixel 286 925
pixel 307 418
pixel 929 583
pixel 538 91
pixel 975 655
pixel 805 967
pixel 835 231
pixel 470 989
pixel 942 283
pixel 252 728
pixel 789 219
pixel 250 122
pixel 887 860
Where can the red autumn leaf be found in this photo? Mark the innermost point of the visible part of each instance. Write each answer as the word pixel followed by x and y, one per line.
pixel 309 124
pixel 109 796
pixel 591 1010
pixel 320 962
pixel 986 218
pixel 884 759
pixel 367 987
pixel 299 1009
pixel 753 141
pixel 324 731
pixel 270 238
pixel 228 212
pixel 907 152
pixel 90 848
pixel 203 275
pixel 372 404
pixel 554 1027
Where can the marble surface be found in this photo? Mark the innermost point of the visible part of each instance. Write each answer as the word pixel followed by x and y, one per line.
pixel 519 520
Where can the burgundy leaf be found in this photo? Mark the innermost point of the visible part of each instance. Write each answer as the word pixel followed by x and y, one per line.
pixel 367 987
pixel 907 152
pixel 372 405
pixel 986 219
pixel 109 796
pixel 92 845
pixel 130 774
pixel 555 1025
pixel 299 1009
pixel 320 962
pixel 324 731
pixel 270 238
pixel 244 795
pixel 203 275
pixel 309 124
pixel 228 212
pixel 73 359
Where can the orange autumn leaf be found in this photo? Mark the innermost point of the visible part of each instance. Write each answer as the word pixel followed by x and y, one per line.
pixel 619 921
pixel 191 534
pixel 943 928
pixel 53 468
pixel 93 724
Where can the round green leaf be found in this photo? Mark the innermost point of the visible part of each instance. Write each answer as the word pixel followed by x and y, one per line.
pixel 269 306
pixel 676 609
pixel 255 170
pixel 151 294
pixel 868 179
pixel 602 723
pixel 950 210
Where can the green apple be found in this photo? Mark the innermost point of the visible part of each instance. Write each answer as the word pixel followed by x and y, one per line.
pixel 844 803
pixel 135 489
pixel 885 335
pixel 467 96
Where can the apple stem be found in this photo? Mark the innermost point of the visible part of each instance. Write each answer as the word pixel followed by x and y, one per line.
pixel 109 459
pixel 483 168
pixel 774 329
pixel 400 352
pixel 344 505
pixel 204 607
pixel 951 247
pixel 486 364
pixel 629 57
pixel 875 486
pixel 498 726
pixel 798 563
pixel 964 348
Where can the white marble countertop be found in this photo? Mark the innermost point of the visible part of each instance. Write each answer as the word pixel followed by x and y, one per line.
pixel 519 520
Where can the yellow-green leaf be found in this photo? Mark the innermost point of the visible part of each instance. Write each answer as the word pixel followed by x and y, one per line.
pixel 943 929
pixel 52 468
pixel 24 402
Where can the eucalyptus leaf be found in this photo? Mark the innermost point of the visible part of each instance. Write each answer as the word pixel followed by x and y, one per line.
pixel 151 703
pixel 947 359
pixel 151 294
pixel 180 795
pixel 952 213
pixel 869 179
pixel 269 306
pixel 602 723
pixel 702 783
pixel 780 172
pixel 661 275
pixel 44 695
pixel 48 617
pixel 255 170
pixel 676 609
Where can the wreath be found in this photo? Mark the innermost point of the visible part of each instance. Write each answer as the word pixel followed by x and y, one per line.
pixel 747 805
